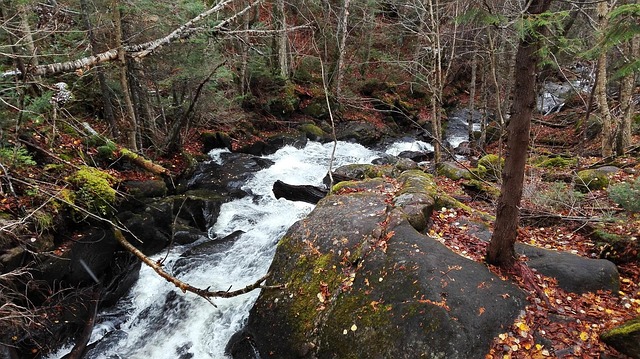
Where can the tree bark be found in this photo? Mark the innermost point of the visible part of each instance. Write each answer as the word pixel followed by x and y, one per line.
pixel 501 249
pixel 132 130
pixel 623 136
pixel 283 39
pixel 342 41
pixel 608 133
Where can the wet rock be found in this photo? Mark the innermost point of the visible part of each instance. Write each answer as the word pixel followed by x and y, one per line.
pixel 203 252
pixel 417 156
pixel 85 261
pixel 360 132
pixel 144 189
pixel 274 143
pixel 229 177
pixel 304 193
pixel 212 140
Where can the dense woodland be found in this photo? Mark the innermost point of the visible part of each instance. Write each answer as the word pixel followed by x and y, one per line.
pixel 94 93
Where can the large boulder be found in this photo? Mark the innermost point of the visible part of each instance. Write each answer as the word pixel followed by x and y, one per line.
pixel 574 273
pixel 363 281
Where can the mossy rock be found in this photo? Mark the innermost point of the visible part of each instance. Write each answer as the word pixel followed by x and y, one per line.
pixel 591 180
pixel 625 338
pixel 316 109
pixel 211 140
pixel 362 286
pixel 617 248
pixel 313 132
pixel 555 162
pixel 453 171
pixel 93 190
pixel 493 165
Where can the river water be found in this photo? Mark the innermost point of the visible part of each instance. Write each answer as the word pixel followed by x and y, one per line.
pixel 156 321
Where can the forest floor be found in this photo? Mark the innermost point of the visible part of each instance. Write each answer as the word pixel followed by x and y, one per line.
pixel 557 323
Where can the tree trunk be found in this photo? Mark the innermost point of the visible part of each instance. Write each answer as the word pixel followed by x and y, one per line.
pixel 25 28
pixel 608 133
pixel 104 88
pixel 623 136
pixel 282 39
pixel 342 41
pixel 132 130
pixel 501 250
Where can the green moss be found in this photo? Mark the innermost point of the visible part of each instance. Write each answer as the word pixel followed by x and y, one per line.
pixel 555 162
pixel 312 131
pixel 452 171
pixel 107 151
pixel 591 180
pixel 311 271
pixel 493 165
pixel 630 327
pixel 93 190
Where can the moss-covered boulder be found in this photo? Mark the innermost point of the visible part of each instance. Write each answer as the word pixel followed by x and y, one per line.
pixel 625 338
pixel 453 171
pixel 364 282
pixel 491 165
pixel 313 132
pixel 211 140
pixel 591 180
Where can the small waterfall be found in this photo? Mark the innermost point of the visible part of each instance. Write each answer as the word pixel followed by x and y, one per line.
pixel 156 321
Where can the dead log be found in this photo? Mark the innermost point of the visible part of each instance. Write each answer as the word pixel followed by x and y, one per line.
pixel 303 193
pixel 135 158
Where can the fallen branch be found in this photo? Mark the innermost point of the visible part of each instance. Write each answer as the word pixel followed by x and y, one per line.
pixel 135 158
pixel 185 287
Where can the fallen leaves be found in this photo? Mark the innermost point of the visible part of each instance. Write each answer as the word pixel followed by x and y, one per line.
pixel 564 325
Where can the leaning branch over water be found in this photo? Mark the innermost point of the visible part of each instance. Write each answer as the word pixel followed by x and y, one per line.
pixel 185 287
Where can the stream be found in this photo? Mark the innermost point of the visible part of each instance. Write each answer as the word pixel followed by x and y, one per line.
pixel 155 320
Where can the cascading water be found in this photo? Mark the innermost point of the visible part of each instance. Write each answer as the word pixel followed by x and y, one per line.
pixel 156 321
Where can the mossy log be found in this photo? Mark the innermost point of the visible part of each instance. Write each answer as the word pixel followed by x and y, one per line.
pixel 135 158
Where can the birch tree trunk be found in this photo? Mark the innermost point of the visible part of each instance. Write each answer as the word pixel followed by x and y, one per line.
pixel 342 41
pixel 601 87
pixel 282 39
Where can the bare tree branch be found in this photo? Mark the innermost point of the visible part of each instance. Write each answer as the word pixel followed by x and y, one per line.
pixel 185 287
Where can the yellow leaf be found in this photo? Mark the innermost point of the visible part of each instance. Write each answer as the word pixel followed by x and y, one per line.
pixel 584 336
pixel 522 326
pixel 503 336
pixel 320 297
pixel 354 328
